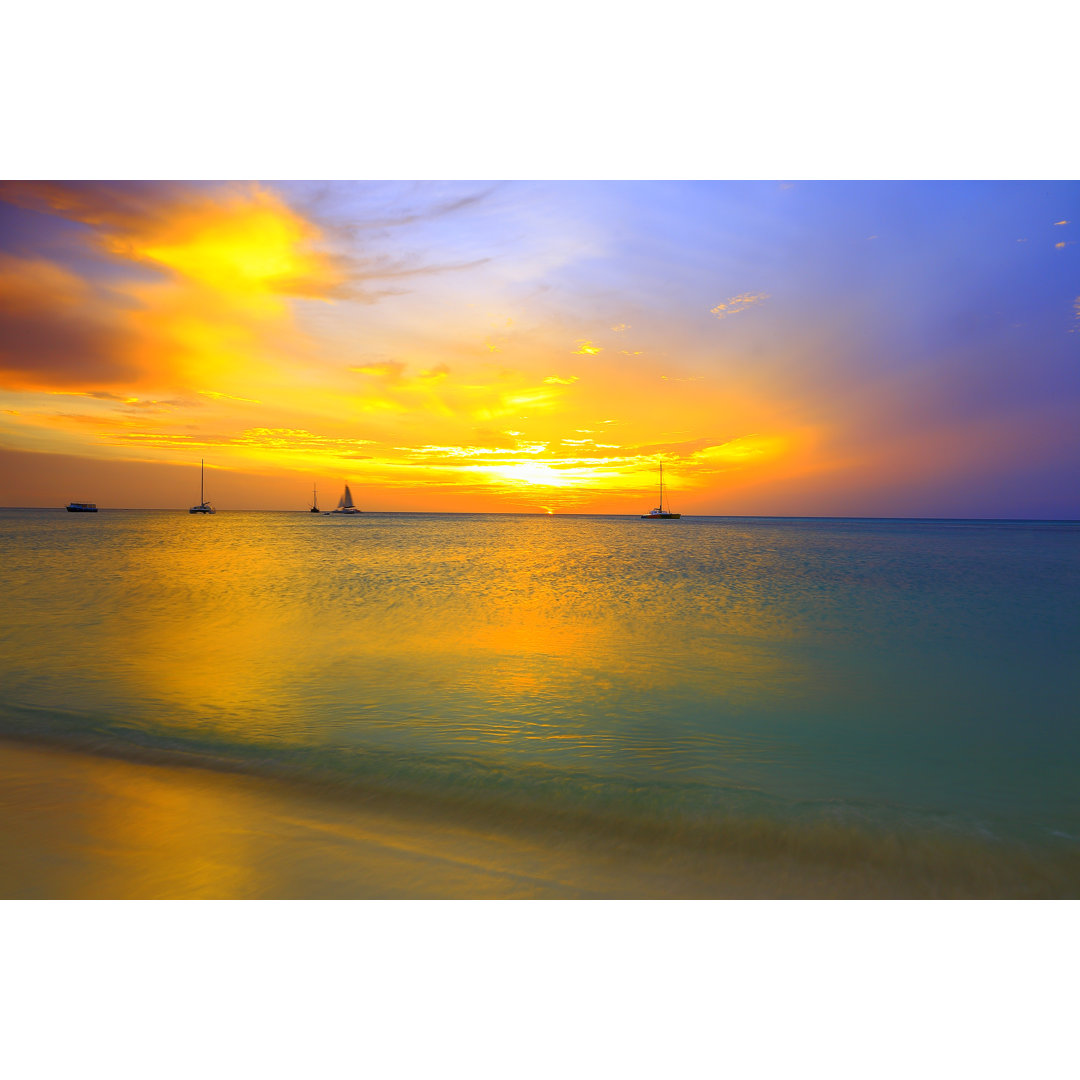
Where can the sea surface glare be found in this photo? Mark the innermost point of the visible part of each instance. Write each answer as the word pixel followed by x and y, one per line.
pixel 832 693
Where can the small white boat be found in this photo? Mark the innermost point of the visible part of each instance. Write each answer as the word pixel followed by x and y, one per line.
pixel 345 504
pixel 204 507
pixel 660 513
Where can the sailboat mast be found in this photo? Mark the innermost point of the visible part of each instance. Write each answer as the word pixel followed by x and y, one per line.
pixel 661 486
pixel 202 470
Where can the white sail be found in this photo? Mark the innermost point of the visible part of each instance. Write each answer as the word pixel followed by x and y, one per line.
pixel 345 504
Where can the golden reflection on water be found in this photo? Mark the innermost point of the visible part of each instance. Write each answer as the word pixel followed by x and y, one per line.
pixel 519 634
pixel 212 633
pixel 606 662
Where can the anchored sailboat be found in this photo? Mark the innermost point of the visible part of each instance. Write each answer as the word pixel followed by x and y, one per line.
pixel 660 512
pixel 204 507
pixel 314 500
pixel 345 504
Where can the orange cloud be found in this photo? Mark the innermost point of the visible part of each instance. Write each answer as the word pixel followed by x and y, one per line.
pixel 214 318
pixel 239 238
pixel 56 330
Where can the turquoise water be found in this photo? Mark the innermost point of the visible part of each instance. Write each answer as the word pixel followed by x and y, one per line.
pixel 909 679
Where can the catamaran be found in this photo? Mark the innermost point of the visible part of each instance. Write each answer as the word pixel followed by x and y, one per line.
pixel 345 504
pixel 660 512
pixel 204 507
pixel 315 500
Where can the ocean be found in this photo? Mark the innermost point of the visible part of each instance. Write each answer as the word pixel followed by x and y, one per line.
pixel 899 698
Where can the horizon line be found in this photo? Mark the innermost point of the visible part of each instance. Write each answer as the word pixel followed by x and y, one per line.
pixel 541 513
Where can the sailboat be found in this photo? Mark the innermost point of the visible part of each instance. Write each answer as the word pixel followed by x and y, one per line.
pixel 204 507
pixel 315 500
pixel 345 504
pixel 660 512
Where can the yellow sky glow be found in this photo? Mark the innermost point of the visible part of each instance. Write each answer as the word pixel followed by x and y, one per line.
pixel 243 346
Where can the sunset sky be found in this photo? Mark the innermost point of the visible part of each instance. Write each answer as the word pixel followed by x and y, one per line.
pixel 822 348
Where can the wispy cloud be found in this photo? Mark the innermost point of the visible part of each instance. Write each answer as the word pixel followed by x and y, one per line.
pixel 734 305
pixel 740 451
pixel 388 370
pixel 398 211
pixel 217 396
pixel 290 440
pixel 434 374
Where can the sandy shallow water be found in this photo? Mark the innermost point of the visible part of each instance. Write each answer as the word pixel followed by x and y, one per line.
pixel 83 826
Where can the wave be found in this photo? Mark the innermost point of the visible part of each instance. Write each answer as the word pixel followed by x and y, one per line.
pixel 883 854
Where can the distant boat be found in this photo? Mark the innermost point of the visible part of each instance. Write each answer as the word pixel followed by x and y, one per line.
pixel 82 508
pixel 204 507
pixel 314 500
pixel 660 512
pixel 345 504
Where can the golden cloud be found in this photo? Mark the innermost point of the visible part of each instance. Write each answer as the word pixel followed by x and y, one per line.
pixel 740 451
pixel 389 370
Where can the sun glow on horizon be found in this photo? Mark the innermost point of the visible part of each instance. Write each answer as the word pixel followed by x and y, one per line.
pixel 428 353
